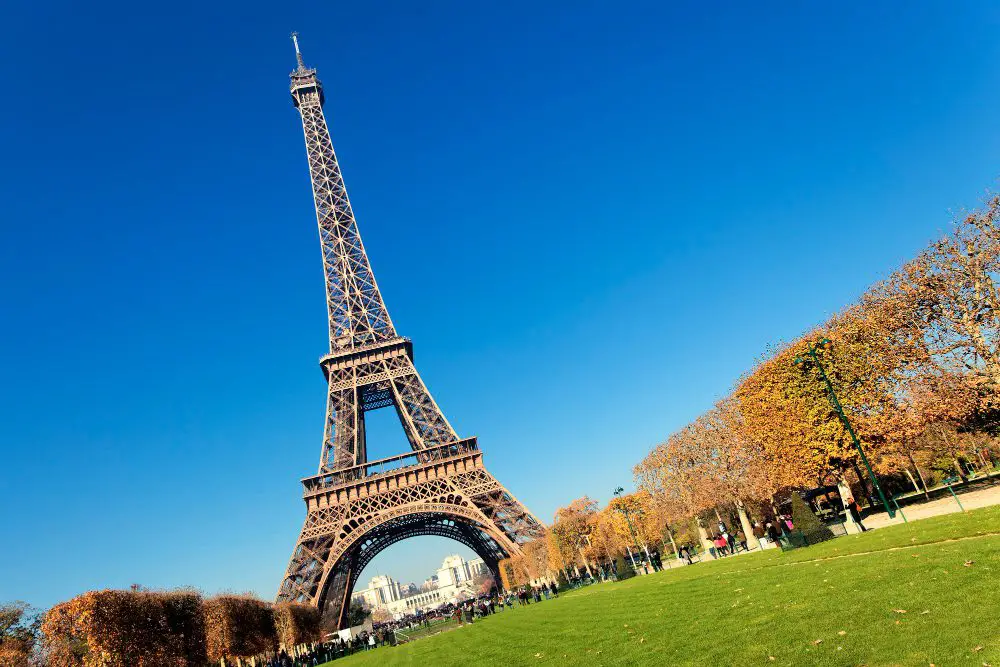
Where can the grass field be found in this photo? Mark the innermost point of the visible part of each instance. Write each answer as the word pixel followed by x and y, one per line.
pixel 432 629
pixel 918 594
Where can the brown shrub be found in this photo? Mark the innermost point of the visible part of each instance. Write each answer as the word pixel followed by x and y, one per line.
pixel 238 626
pixel 296 623
pixel 126 629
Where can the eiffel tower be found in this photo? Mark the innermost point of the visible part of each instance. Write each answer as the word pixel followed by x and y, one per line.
pixel 356 507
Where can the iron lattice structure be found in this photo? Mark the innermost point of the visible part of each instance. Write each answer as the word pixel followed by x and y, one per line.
pixel 355 507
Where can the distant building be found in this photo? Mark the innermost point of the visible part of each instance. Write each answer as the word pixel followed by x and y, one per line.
pixel 382 590
pixel 452 583
pixel 477 566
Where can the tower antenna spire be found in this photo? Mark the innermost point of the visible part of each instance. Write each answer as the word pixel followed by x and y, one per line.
pixel 298 53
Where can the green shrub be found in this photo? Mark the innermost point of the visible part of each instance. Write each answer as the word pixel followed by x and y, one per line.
pixel 806 521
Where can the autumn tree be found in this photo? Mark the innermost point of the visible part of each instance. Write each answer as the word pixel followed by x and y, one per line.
pixel 20 628
pixel 569 534
pixel 536 558
pixel 956 304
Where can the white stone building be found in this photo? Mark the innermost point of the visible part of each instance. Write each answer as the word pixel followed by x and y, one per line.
pixel 454 581
pixel 382 590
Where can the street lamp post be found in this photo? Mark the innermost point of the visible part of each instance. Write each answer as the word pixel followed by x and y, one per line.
pixel 835 402
pixel 628 519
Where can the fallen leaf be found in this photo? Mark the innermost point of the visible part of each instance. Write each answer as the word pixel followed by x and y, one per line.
pixel 969 563
pixel 641 641
pixel 899 611
pixel 538 655
pixel 926 611
pixel 770 657
pixel 977 649
pixel 842 633
pixel 818 641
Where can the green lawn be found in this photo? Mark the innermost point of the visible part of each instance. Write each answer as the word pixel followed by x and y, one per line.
pixel 915 594
pixel 432 629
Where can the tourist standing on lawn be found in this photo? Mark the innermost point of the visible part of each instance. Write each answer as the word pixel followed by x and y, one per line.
pixel 855 509
pixel 685 554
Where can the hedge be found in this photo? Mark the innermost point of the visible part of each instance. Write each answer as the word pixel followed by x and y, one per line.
pixel 126 629
pixel 296 624
pixel 238 625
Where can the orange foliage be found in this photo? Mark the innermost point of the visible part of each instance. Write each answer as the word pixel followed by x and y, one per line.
pixel 296 623
pixel 238 625
pixel 125 629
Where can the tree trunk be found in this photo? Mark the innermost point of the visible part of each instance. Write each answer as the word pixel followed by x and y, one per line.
pixel 705 544
pixel 670 534
pixel 869 493
pixel 954 455
pixel 912 480
pixel 958 467
pixel 923 482
pixel 635 568
pixel 982 459
pixel 752 542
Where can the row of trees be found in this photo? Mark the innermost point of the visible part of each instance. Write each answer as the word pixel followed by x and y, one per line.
pixel 584 535
pixel 915 363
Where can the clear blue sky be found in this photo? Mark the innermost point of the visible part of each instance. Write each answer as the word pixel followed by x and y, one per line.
pixel 590 217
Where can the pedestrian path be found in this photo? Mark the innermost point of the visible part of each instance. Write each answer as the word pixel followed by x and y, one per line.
pixel 944 505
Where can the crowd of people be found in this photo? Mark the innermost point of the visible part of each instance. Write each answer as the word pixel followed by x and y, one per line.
pixel 336 647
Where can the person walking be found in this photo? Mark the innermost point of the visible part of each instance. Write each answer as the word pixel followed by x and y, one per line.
pixel 685 554
pixel 855 509
pixel 720 545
